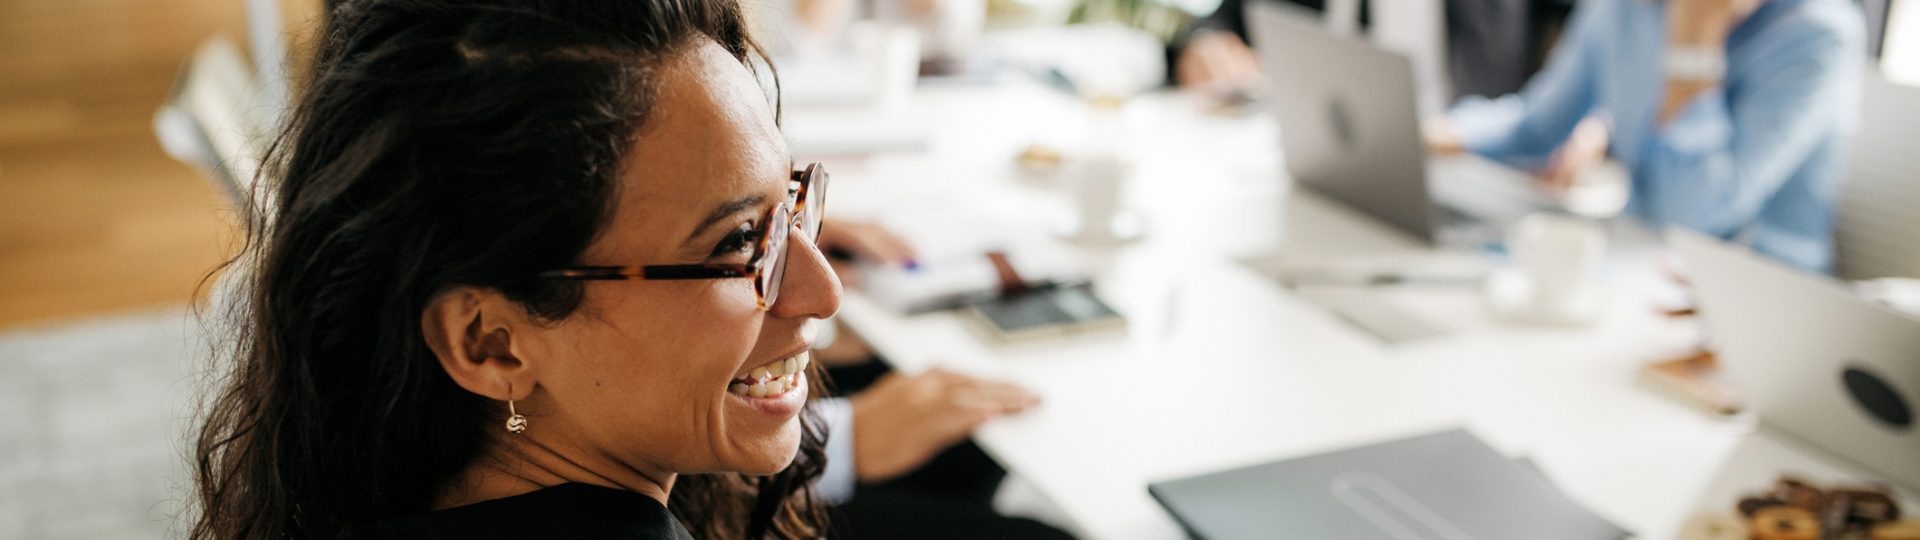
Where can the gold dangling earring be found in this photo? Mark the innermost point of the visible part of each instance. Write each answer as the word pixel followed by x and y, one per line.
pixel 515 422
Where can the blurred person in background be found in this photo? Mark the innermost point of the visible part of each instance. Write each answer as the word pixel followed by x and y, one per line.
pixel 1490 45
pixel 1732 116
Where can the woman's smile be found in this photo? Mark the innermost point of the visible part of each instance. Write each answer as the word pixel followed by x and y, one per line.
pixel 777 388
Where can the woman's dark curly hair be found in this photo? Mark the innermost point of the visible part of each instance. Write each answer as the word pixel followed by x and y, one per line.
pixel 439 143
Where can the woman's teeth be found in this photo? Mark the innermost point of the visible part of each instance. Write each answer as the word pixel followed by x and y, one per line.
pixel 773 379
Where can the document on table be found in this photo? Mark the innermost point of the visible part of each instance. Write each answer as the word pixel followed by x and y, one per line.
pixel 953 266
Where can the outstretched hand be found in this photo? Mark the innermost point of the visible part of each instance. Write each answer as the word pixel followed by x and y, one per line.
pixel 904 420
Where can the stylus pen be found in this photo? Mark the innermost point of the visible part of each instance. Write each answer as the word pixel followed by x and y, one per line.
pixel 1385 279
pixel 957 301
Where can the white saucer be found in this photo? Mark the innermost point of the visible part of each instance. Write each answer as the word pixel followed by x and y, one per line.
pixel 1510 294
pixel 1125 228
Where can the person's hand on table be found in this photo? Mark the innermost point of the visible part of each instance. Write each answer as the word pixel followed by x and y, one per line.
pixel 1441 138
pixel 1217 61
pixel 824 19
pixel 1584 149
pixel 865 242
pixel 904 420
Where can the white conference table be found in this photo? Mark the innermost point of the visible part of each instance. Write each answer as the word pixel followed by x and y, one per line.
pixel 1221 367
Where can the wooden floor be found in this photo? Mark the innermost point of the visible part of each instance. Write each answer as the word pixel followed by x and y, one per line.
pixel 94 217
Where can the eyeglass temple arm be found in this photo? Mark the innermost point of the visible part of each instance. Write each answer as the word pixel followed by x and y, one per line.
pixel 676 271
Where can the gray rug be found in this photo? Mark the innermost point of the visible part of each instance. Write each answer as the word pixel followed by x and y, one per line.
pixel 93 418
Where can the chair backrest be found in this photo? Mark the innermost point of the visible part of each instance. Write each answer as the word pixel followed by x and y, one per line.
pixel 224 110
pixel 1877 229
pixel 213 119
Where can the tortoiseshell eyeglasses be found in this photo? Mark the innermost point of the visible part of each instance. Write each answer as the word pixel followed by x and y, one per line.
pixel 805 205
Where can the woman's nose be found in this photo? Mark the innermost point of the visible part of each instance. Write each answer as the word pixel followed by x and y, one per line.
pixel 809 288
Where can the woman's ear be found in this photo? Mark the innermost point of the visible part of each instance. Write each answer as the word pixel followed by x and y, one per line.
pixel 470 330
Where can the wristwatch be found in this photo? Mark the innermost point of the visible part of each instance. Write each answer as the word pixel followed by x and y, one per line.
pixel 1695 63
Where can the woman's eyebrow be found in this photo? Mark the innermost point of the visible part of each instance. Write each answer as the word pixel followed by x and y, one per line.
pixel 726 209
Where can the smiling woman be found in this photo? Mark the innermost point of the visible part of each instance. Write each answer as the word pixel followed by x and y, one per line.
pixel 439 338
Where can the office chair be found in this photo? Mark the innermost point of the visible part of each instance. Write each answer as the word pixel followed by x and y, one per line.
pixel 221 115
pixel 223 110
pixel 1879 206
pixel 214 121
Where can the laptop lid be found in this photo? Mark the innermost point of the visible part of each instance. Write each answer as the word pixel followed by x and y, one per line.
pixel 1348 124
pixel 1809 357
pixel 1442 486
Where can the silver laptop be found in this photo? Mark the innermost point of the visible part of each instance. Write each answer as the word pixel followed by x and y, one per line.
pixel 1349 128
pixel 1812 360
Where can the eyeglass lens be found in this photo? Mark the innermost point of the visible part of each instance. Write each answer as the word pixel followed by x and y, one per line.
pixel 776 254
pixel 812 209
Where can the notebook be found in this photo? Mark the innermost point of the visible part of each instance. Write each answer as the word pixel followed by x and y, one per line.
pixel 1442 486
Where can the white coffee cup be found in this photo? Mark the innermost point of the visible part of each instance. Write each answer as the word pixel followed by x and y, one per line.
pixel 1599 192
pixel 1095 183
pixel 891 55
pixel 1558 256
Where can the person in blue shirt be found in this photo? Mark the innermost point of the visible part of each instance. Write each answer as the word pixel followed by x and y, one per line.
pixel 1732 116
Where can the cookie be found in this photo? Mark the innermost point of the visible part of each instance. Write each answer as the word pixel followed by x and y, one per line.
pixel 1800 494
pixel 1898 530
pixel 1785 523
pixel 1868 505
pixel 1713 526
pixel 1749 505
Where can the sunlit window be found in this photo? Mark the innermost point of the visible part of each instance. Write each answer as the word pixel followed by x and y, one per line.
pixel 1900 53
